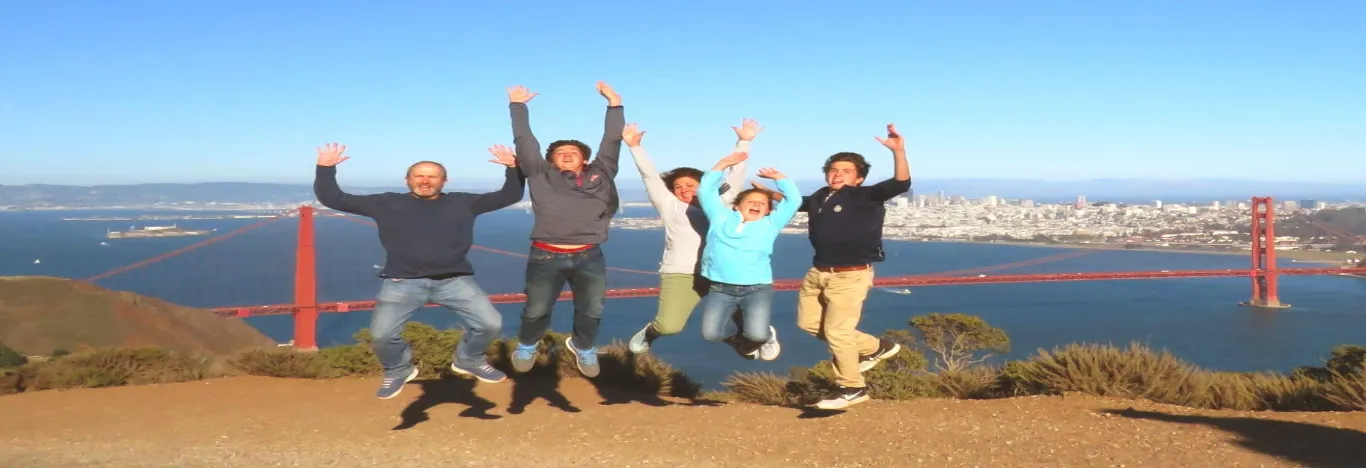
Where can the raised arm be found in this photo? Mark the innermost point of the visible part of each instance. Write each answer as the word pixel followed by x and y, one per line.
pixel 528 149
pixel 514 183
pixel 660 195
pixel 609 151
pixel 744 134
pixel 901 181
pixel 327 190
pixel 792 198
pixel 708 189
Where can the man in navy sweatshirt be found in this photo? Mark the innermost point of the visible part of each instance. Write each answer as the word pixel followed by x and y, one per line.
pixel 426 234
pixel 574 202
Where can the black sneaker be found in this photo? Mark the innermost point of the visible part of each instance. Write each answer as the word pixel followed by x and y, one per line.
pixel 844 398
pixel 745 348
pixel 885 350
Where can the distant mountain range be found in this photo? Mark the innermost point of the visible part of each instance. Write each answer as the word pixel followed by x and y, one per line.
pixel 1115 190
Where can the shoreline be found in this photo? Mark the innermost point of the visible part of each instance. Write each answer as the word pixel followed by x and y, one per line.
pixel 1281 254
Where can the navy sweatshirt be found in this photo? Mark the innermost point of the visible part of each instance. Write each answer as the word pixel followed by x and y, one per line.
pixel 845 227
pixel 421 238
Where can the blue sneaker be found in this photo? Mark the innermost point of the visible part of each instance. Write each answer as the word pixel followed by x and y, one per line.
pixel 483 372
pixel 524 357
pixel 587 358
pixel 389 387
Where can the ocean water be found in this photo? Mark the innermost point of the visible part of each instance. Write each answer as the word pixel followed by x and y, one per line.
pixel 1197 319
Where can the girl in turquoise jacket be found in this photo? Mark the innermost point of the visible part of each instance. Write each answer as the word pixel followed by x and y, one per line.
pixel 737 257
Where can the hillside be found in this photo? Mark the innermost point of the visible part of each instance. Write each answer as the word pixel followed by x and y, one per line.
pixel 42 314
pixel 259 421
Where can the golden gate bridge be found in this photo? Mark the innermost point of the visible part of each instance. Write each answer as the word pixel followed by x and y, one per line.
pixel 1263 273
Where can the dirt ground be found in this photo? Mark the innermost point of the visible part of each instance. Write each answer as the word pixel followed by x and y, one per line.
pixel 259 422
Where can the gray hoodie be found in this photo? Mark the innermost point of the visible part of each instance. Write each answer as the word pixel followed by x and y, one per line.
pixel 570 208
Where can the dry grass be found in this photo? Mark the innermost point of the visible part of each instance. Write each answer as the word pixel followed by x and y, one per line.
pixel 117 367
pixel 764 388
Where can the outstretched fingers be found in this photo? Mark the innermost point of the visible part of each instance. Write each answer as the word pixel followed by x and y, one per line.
pixel 520 94
pixel 503 155
pixel 330 154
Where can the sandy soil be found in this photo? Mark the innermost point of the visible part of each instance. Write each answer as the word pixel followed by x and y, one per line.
pixel 257 421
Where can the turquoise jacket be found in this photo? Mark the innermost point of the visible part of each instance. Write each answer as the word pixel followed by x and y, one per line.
pixel 738 252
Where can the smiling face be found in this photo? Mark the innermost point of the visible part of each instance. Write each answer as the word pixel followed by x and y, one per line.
pixel 685 188
pixel 840 174
pixel 425 179
pixel 753 205
pixel 567 158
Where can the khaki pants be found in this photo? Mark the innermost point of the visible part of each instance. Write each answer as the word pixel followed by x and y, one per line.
pixel 678 295
pixel 828 307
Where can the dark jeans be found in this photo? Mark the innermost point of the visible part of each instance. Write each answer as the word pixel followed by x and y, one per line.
pixel 546 274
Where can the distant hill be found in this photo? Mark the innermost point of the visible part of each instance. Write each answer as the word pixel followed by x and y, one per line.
pixel 632 190
pixel 40 314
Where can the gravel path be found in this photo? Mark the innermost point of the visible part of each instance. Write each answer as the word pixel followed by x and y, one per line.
pixel 263 422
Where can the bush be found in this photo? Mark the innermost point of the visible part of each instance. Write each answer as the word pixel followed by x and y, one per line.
pixel 433 351
pixel 10 358
pixel 958 340
pixel 115 367
pixel 764 388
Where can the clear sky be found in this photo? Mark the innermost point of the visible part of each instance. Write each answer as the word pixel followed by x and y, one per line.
pixel 120 91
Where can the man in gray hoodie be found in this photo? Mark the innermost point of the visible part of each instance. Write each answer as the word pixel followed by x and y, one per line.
pixel 574 202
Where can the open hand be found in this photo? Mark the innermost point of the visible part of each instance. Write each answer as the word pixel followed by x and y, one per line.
pixel 613 99
pixel 748 130
pixel 893 141
pixel 503 155
pixel 771 173
pixel 520 94
pixel 631 135
pixel 330 154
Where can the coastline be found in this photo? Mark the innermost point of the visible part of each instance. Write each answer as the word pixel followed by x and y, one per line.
pixel 1297 256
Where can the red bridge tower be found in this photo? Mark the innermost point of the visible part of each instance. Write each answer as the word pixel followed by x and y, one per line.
pixel 1264 274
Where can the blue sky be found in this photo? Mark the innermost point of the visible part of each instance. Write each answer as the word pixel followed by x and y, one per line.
pixel 141 91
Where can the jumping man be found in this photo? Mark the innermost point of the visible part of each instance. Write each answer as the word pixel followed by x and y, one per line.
pixel 426 234
pixel 845 228
pixel 574 202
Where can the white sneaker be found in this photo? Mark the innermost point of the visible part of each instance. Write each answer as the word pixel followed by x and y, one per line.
pixel 770 349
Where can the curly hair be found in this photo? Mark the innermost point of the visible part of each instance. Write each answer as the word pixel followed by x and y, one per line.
pixel 583 148
pixel 860 164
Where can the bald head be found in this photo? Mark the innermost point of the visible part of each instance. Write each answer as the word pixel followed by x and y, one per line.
pixel 426 179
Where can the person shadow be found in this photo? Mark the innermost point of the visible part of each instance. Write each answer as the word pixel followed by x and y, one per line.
pixel 1301 443
pixel 442 390
pixel 621 381
pixel 541 382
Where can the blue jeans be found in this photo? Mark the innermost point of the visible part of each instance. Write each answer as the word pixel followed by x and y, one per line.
pixel 400 297
pixel 546 274
pixel 755 302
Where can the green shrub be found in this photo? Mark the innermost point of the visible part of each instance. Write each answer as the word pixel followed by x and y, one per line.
pixel 10 358
pixel 958 341
pixel 1105 370
pixel 433 351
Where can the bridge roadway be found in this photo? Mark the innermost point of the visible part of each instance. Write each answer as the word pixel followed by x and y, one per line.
pixel 793 285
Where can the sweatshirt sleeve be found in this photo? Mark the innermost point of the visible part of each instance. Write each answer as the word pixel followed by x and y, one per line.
pixel 330 194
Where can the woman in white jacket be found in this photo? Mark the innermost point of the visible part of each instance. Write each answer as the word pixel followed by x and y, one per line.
pixel 674 195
